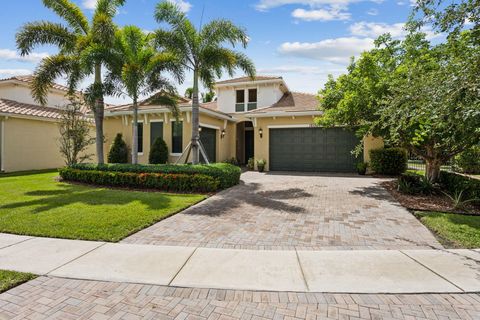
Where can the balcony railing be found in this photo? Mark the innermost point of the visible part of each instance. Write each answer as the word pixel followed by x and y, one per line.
pixel 239 107
pixel 251 106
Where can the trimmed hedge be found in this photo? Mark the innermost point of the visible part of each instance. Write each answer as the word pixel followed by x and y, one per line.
pixel 160 181
pixel 388 161
pixel 226 174
pixel 453 182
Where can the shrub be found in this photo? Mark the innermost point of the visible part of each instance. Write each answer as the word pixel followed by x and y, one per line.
pixel 362 168
pixel 160 181
pixel 251 164
pixel 158 152
pixel 388 161
pixel 412 183
pixel 469 160
pixel 454 183
pixel 226 174
pixel 118 151
pixel 232 161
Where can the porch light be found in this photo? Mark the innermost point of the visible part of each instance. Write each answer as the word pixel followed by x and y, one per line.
pixel 199 129
pixel 222 134
pixel 260 131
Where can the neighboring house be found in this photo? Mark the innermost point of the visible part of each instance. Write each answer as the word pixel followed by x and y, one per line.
pixel 259 119
pixel 29 132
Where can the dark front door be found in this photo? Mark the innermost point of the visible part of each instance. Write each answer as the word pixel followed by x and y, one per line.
pixel 249 146
pixel 313 149
pixel 209 140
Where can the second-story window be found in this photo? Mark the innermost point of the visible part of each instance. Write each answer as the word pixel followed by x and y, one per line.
pixel 240 102
pixel 252 99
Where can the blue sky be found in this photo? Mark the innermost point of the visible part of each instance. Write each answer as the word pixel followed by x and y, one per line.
pixel 301 40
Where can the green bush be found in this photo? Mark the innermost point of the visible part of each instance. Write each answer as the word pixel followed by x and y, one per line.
pixel 469 160
pixel 454 183
pixel 158 152
pixel 232 161
pixel 226 174
pixel 160 181
pixel 118 151
pixel 412 183
pixel 388 161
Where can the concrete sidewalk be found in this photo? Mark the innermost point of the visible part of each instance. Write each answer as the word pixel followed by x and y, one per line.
pixel 357 271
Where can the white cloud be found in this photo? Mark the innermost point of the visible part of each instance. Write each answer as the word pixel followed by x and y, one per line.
pixel 264 5
pixel 372 12
pixel 185 6
pixel 329 14
pixel 89 4
pixel 338 50
pixel 7 54
pixel 5 73
pixel 293 69
pixel 396 30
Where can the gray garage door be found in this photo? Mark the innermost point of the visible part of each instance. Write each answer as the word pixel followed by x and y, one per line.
pixel 313 149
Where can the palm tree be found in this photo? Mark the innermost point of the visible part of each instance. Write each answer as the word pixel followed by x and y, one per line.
pixel 137 68
pixel 201 52
pixel 83 49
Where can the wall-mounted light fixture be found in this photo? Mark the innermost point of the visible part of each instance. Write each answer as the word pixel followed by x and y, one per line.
pixel 222 135
pixel 260 131
pixel 199 129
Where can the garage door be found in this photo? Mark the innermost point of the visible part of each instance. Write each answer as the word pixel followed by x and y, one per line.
pixel 209 140
pixel 313 149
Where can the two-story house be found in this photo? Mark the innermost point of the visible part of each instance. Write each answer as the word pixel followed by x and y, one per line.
pixel 259 119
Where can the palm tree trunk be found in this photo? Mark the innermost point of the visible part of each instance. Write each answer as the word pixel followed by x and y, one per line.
pixel 195 120
pixel 135 132
pixel 99 115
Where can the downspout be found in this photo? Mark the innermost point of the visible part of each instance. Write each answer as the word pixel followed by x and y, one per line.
pixel 2 145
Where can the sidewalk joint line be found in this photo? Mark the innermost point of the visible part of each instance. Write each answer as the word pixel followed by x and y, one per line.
pixel 14 244
pixel 301 270
pixel 431 270
pixel 183 266
pixel 76 258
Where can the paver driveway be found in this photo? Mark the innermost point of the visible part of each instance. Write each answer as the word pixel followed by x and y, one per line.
pixel 294 211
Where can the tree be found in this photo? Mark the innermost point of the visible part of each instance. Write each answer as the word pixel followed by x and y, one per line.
pixel 83 48
pixel 158 152
pixel 208 96
pixel 118 151
pixel 421 97
pixel 188 93
pixel 74 131
pixel 202 52
pixel 137 67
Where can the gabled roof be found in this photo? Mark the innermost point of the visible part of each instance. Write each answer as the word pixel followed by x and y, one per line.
pixel 10 107
pixel 291 102
pixel 29 80
pixel 248 79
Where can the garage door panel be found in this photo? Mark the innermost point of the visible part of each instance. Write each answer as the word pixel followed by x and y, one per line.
pixel 313 149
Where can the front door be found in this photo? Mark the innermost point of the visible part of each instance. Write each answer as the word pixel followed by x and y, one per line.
pixel 249 145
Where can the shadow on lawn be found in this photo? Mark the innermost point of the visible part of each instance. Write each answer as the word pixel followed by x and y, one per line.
pixel 70 194
pixel 249 193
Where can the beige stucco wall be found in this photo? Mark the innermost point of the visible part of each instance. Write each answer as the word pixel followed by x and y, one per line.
pixel 123 124
pixel 31 145
pixel 22 93
pixel 262 144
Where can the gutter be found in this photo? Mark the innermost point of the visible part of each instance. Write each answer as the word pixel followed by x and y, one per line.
pixel 284 114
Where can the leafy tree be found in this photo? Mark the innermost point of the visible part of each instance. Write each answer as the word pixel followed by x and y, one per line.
pixel 158 152
pixel 202 52
pixel 83 48
pixel 74 131
pixel 208 96
pixel 137 67
pixel 188 93
pixel 118 151
pixel 421 97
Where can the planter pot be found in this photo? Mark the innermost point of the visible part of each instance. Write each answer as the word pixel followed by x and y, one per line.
pixel 260 168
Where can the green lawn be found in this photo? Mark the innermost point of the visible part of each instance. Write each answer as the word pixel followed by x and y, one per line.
pixel 35 204
pixel 456 230
pixel 10 279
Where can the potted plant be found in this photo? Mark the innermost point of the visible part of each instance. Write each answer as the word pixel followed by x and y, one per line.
pixel 261 165
pixel 362 168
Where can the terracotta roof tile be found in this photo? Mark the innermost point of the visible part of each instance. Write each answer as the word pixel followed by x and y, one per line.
pixel 245 79
pixel 292 102
pixel 29 79
pixel 24 109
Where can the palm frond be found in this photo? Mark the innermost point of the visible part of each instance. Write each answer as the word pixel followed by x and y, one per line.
pixel 103 29
pixel 218 31
pixel 44 33
pixel 47 71
pixel 169 12
pixel 108 7
pixel 70 12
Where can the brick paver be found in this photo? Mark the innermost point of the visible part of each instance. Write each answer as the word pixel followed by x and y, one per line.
pixel 294 211
pixel 55 298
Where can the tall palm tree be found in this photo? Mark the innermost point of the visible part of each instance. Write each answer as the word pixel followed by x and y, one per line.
pixel 202 52
pixel 83 49
pixel 137 67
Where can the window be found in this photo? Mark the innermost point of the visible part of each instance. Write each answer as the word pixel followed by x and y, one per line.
pixel 156 131
pixel 177 137
pixel 252 99
pixel 240 101
pixel 140 137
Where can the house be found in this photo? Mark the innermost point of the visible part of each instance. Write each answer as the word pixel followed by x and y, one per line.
pixel 29 132
pixel 261 119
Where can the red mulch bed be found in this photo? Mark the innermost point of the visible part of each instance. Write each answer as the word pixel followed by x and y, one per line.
pixel 435 202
